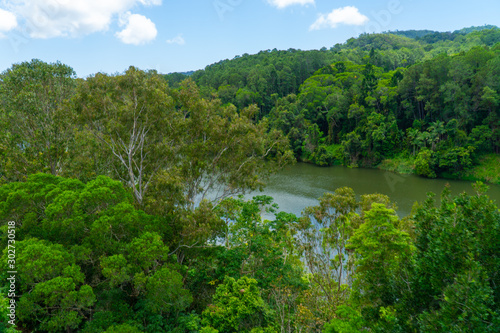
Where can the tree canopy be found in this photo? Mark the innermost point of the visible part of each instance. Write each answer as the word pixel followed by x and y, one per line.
pixel 122 207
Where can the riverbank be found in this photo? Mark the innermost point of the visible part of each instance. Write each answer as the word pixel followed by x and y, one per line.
pixel 487 171
pixel 399 164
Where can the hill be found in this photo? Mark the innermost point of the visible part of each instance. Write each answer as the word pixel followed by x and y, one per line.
pixel 376 97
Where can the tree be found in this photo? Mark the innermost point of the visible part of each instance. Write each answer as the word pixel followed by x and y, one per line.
pixel 153 133
pixel 380 251
pixel 237 307
pixel 104 251
pixel 221 150
pixel 123 328
pixel 133 117
pixel 32 107
pixel 369 82
pixel 322 237
pixel 352 147
pixel 455 160
pixel 424 164
pixel 466 305
pixel 456 278
pixel 347 320
pixel 142 269
pixel 52 295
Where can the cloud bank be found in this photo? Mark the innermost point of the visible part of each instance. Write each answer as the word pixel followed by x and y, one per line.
pixel 348 15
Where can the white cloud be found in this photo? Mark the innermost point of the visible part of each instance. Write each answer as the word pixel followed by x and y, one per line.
pixel 348 15
pixel 150 2
pixel 138 29
pixel 177 40
pixel 285 3
pixel 70 18
pixel 8 22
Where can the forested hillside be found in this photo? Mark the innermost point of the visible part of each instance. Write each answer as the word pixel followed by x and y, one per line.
pixel 427 104
pixel 119 194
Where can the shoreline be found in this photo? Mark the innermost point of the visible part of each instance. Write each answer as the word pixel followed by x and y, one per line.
pixel 487 171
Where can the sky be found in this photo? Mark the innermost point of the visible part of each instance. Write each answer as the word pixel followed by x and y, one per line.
pixel 108 36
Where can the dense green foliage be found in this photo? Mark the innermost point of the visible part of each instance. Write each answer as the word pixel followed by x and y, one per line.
pixel 122 192
pixel 90 261
pixel 431 99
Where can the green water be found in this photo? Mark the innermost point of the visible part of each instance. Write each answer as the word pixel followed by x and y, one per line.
pixel 300 185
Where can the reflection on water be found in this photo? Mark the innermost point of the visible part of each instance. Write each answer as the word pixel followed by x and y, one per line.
pixel 300 185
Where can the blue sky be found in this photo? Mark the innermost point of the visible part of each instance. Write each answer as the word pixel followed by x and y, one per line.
pixel 173 35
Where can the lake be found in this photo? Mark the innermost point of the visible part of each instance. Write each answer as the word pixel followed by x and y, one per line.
pixel 300 185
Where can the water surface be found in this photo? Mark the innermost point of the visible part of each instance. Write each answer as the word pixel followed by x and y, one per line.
pixel 300 185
